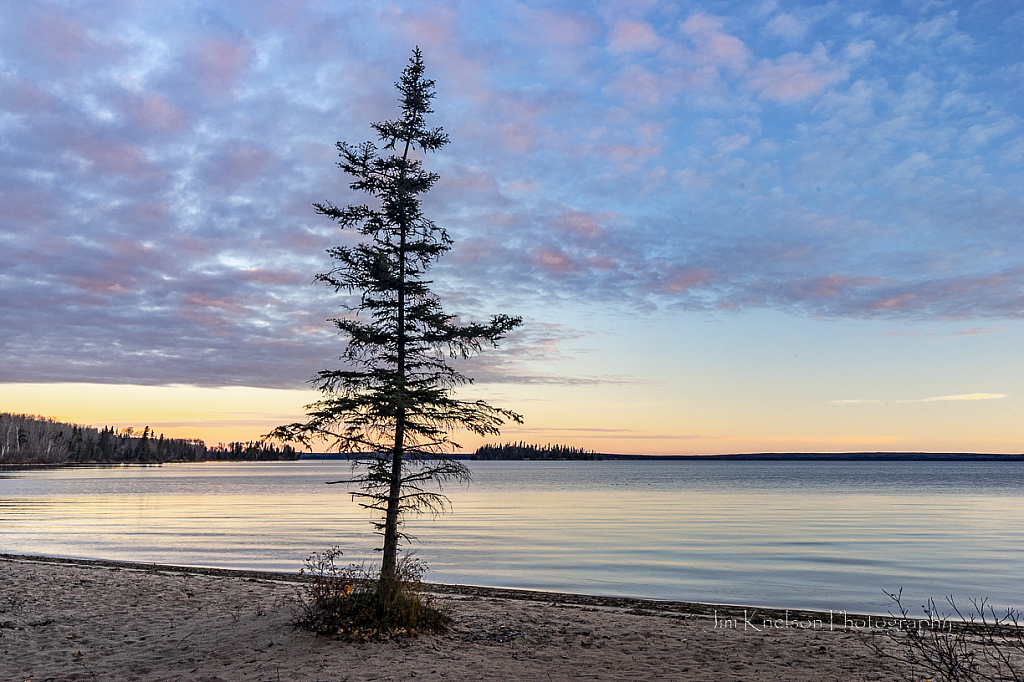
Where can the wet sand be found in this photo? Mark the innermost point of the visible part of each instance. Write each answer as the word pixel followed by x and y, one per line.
pixel 80 620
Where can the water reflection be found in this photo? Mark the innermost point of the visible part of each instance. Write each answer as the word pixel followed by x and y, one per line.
pixel 820 534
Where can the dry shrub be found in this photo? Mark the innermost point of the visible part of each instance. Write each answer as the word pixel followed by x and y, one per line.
pixel 953 646
pixel 360 604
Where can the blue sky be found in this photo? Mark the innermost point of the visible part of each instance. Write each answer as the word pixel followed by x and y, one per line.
pixel 729 226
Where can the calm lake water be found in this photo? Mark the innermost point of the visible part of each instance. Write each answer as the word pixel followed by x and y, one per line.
pixel 823 535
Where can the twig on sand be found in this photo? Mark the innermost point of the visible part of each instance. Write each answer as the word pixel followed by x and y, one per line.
pixel 178 645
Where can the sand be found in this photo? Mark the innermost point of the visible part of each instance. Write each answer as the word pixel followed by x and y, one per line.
pixel 65 620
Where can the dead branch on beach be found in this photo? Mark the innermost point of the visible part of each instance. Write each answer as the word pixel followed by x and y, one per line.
pixel 953 646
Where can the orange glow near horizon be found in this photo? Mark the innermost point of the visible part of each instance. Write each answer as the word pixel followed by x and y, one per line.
pixel 552 415
pixel 213 415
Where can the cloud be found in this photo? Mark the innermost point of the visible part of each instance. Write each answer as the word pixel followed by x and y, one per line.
pixel 236 164
pixel 714 46
pixel 158 167
pixel 786 27
pixel 794 76
pixel 154 112
pixel 531 355
pixel 965 396
pixel 632 36
pixel 217 64
pixel 935 399
pixel 977 330
pixel 560 27
pixel 113 158
pixel 553 260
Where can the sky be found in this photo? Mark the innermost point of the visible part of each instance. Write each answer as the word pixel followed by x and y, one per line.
pixel 727 226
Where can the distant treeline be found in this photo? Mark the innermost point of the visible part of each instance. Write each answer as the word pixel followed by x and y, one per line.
pixel 27 439
pixel 251 450
pixel 524 451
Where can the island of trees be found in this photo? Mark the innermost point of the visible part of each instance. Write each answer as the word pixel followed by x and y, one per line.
pixel 28 439
pixel 524 451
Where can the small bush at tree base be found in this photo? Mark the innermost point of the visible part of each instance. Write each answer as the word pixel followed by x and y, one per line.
pixel 362 604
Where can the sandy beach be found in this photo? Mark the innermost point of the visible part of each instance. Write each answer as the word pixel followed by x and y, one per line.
pixel 75 620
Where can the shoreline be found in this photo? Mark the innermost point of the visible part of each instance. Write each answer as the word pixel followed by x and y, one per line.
pixel 752 615
pixel 72 619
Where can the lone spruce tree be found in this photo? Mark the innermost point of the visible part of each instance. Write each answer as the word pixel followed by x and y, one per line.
pixel 393 406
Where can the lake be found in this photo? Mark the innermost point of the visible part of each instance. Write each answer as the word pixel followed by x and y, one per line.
pixel 821 535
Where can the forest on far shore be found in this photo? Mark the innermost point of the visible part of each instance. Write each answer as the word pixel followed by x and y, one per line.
pixel 530 452
pixel 28 439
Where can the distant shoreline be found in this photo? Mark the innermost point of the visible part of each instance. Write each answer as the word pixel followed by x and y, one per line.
pixel 746 457
pixel 765 457
pixel 839 456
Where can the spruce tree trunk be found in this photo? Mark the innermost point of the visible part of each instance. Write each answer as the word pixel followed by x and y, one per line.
pixel 389 562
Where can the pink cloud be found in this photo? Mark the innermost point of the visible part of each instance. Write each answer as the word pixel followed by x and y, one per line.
pixel 794 76
pixel 602 263
pixel 98 285
pixel 639 85
pixel 631 153
pixel 553 260
pixel 214 325
pixel 515 138
pixel 195 246
pixel 523 185
pixel 470 251
pixel 580 223
pixel 131 249
pixel 28 206
pixel 273 277
pixel 727 51
pixel 829 286
pixel 463 74
pixel 469 182
pixel 701 24
pixel 154 112
pixel 896 303
pixel 21 96
pixel 588 224
pixel 687 280
pixel 111 158
pixel 632 36
pixel 239 165
pixel 835 285
pixel 715 47
pixel 203 301
pixel 978 330
pixel 216 64
pixel 306 241
pixel 58 37
pixel 556 28
pixel 433 30
pixel 149 212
